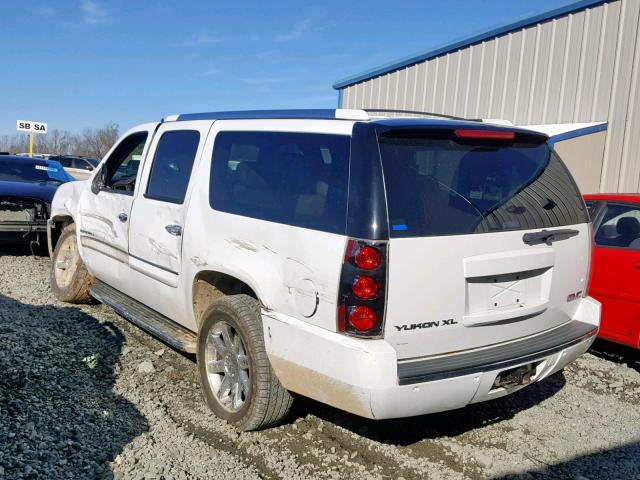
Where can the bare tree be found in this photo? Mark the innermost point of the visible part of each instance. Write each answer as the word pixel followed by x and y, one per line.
pixel 55 142
pixel 14 143
pixel 97 143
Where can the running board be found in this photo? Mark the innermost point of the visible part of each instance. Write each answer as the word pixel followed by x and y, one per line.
pixel 149 320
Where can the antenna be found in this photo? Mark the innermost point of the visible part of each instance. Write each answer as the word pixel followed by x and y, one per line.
pixel 414 112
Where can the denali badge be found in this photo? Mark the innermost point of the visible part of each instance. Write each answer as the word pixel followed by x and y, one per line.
pixel 437 323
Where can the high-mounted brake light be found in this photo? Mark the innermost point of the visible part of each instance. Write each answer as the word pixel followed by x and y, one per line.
pixel 361 297
pixel 484 134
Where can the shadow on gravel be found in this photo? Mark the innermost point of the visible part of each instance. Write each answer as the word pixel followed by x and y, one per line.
pixel 617 353
pixel 407 431
pixel 616 463
pixel 59 415
pixel 22 249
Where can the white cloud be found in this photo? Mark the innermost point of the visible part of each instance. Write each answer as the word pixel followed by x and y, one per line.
pixel 93 13
pixel 296 32
pixel 200 39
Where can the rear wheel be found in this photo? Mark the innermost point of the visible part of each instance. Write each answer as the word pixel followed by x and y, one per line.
pixel 237 380
pixel 70 280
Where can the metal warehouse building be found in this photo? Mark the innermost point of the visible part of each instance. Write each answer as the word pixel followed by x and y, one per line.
pixel 578 65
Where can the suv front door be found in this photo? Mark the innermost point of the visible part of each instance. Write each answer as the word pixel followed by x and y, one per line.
pixel 104 210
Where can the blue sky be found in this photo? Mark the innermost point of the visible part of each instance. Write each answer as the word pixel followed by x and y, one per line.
pixel 82 63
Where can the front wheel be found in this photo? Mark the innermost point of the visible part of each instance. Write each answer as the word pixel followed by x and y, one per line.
pixel 70 280
pixel 237 380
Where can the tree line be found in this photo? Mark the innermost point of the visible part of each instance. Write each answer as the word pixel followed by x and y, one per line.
pixel 91 142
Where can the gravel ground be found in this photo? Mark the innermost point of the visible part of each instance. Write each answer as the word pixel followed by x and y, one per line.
pixel 84 394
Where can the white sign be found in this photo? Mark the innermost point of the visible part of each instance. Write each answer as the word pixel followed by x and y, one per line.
pixel 29 126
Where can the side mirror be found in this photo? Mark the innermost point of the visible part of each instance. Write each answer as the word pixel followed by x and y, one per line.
pixel 98 181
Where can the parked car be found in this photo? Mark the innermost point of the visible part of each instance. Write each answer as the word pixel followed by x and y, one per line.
pixel 387 267
pixel 79 168
pixel 615 265
pixel 45 156
pixel 27 187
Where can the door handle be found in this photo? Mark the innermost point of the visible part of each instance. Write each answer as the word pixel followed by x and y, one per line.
pixel 123 217
pixel 175 230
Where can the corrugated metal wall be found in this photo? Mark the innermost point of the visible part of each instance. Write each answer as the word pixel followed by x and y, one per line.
pixel 580 67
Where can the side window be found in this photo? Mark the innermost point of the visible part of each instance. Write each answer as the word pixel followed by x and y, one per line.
pixel 297 179
pixel 66 162
pixel 620 227
pixel 81 164
pixel 172 165
pixel 121 168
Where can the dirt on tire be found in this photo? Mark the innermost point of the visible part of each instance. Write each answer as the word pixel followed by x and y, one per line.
pixel 70 284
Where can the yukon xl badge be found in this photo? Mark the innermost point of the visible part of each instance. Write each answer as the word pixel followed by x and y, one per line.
pixel 437 323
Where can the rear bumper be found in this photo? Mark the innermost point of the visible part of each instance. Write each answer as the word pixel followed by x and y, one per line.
pixel 364 377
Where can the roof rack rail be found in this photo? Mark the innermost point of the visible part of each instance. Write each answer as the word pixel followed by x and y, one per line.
pixel 311 114
pixel 416 112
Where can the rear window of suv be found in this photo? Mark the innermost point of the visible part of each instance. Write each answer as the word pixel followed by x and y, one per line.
pixel 438 184
pixel 297 179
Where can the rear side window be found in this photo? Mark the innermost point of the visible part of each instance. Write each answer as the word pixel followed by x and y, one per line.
pixel 172 165
pixel 292 178
pixel 438 184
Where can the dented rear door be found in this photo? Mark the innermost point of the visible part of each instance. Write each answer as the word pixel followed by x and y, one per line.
pixel 157 217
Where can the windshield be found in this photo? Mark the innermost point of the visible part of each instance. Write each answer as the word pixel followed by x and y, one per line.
pixel 30 172
pixel 93 162
pixel 438 184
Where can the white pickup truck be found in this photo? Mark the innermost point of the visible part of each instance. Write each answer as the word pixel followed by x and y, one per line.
pixel 387 267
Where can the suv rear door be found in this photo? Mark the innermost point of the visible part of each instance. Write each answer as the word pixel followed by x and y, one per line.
pixel 157 217
pixel 463 270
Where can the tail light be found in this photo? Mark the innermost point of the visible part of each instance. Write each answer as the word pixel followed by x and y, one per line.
pixel 362 318
pixel 365 287
pixel 592 245
pixel 367 258
pixel 362 294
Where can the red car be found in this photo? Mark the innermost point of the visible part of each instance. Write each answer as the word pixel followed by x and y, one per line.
pixel 615 265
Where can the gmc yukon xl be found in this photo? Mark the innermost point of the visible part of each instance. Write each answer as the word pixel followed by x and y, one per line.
pixel 389 267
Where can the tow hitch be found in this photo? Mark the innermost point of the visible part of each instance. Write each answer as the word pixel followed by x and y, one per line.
pixel 515 377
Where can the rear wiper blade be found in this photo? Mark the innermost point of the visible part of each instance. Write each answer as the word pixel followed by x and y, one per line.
pixel 548 236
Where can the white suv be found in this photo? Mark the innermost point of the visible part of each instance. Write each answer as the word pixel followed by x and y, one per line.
pixel 387 267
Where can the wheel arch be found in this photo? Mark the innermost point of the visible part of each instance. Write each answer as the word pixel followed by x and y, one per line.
pixel 209 285
pixel 56 224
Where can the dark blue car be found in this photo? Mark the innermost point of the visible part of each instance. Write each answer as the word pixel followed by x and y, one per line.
pixel 27 186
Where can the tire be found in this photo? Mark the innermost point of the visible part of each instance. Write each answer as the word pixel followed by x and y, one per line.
pixel 70 280
pixel 251 397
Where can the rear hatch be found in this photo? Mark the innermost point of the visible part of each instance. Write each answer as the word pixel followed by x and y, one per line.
pixel 468 265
